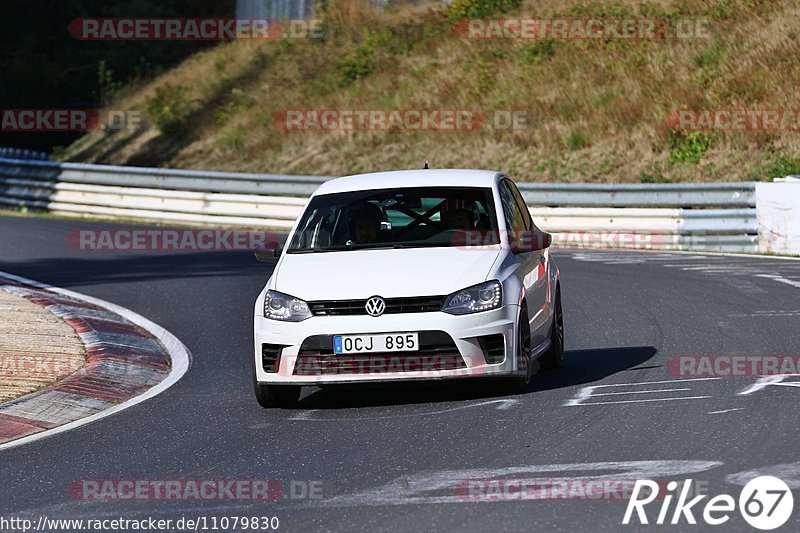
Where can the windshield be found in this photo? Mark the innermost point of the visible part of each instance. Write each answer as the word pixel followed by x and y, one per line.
pixel 393 218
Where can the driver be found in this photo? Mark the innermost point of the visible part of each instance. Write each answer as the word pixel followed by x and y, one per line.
pixel 459 214
pixel 365 224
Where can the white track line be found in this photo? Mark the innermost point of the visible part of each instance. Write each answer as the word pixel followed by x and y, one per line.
pixel 637 392
pixel 643 401
pixel 179 355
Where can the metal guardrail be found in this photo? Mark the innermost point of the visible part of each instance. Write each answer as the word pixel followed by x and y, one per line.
pixel 20 153
pixel 159 178
pixel 718 216
pixel 728 195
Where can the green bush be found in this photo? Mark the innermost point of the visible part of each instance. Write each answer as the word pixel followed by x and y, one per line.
pixel 354 67
pixel 540 51
pixel 234 138
pixel 238 102
pixel 108 88
pixel 688 147
pixel 463 9
pixel 711 57
pixel 361 62
pixel 577 140
pixel 168 108
pixel 782 166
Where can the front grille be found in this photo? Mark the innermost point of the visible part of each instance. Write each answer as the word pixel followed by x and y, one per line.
pixel 414 304
pixel 493 347
pixel 271 356
pixel 437 351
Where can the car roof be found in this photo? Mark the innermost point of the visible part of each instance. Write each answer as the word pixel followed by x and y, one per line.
pixel 411 178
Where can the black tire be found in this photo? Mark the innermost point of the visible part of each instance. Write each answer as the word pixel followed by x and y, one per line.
pixel 522 380
pixel 269 396
pixel 554 355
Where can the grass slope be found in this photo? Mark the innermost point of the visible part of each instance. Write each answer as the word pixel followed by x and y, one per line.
pixel 597 109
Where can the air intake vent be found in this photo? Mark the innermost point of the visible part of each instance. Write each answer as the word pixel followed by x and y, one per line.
pixel 271 356
pixel 493 347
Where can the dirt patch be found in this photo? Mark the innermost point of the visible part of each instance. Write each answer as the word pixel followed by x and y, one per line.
pixel 36 347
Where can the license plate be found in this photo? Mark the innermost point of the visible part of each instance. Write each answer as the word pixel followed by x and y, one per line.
pixel 384 342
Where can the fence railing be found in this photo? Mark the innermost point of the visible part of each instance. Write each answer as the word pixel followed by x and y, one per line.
pixel 288 9
pixel 274 9
pixel 718 216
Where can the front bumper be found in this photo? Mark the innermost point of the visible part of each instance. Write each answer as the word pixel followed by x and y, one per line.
pixel 310 334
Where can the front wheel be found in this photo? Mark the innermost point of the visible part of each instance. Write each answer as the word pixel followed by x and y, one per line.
pixel 522 380
pixel 554 356
pixel 268 396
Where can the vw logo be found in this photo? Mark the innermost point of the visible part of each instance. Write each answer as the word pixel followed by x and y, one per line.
pixel 375 306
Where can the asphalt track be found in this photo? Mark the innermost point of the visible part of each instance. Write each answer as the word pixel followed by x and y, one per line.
pixel 388 458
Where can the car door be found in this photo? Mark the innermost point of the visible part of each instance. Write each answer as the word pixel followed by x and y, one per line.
pixel 528 261
pixel 533 264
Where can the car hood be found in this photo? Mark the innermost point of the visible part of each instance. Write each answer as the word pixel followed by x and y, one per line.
pixel 390 273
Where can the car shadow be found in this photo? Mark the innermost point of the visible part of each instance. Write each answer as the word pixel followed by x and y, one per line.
pixel 579 367
pixel 135 268
pixel 66 265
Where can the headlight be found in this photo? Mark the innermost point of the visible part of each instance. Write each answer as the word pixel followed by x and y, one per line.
pixel 279 306
pixel 475 299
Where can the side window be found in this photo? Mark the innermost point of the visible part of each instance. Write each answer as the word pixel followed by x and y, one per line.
pixel 515 220
pixel 526 214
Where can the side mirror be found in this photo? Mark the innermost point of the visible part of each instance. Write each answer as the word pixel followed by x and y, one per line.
pixel 268 252
pixel 532 241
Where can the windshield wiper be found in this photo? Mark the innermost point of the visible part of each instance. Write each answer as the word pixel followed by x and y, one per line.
pixel 311 250
pixel 395 246
pixel 376 246
pixel 402 245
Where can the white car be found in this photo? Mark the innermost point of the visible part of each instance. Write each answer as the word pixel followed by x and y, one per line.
pixel 408 275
